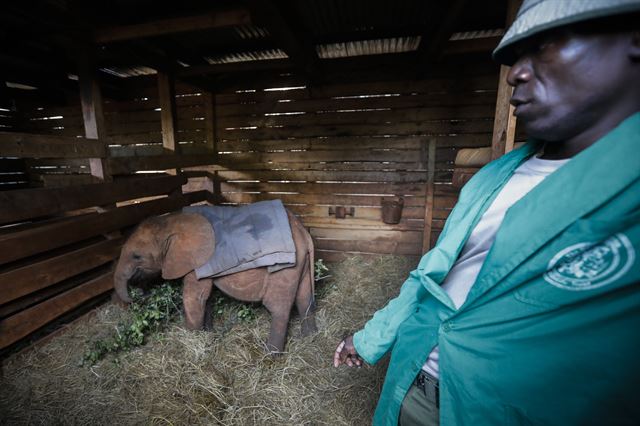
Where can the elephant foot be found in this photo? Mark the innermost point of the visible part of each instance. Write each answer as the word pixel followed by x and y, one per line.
pixel 273 350
pixel 308 327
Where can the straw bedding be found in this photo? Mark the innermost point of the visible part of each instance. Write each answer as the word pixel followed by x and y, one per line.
pixel 219 377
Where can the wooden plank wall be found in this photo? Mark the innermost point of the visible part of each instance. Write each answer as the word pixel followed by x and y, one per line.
pixel 134 134
pixel 333 145
pixel 56 254
pixel 13 171
pixel 353 145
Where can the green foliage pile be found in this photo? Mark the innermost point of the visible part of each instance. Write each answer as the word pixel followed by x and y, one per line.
pixel 153 313
pixel 321 270
pixel 148 315
pixel 225 307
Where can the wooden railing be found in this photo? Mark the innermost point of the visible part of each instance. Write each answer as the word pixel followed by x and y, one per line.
pixel 57 245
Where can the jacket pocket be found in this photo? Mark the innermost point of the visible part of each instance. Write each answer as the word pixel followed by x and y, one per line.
pixel 590 258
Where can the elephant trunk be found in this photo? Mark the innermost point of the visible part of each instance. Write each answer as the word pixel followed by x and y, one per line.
pixel 120 280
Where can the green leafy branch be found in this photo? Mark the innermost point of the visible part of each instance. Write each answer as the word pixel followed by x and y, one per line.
pixel 147 315
pixel 224 306
pixel 320 270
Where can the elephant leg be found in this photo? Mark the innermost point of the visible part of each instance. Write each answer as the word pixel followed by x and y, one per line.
pixel 278 332
pixel 305 301
pixel 195 294
pixel 279 304
pixel 208 314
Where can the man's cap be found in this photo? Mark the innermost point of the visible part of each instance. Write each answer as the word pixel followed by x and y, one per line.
pixel 536 16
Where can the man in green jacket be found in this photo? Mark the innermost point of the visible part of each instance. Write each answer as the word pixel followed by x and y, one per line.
pixel 527 310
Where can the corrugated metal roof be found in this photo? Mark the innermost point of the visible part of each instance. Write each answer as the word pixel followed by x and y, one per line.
pixel 468 35
pixel 368 47
pixel 324 17
pixel 247 56
pixel 123 72
pixel 249 32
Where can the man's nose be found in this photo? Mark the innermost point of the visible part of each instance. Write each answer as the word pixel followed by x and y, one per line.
pixel 520 72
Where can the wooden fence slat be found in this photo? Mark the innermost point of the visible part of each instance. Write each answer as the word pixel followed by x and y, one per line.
pixel 325 188
pixel 432 85
pixel 338 256
pixel 36 276
pixel 60 180
pixel 331 176
pixel 361 143
pixel 328 117
pixel 49 146
pixel 436 100
pixel 362 224
pixel 18 245
pixel 316 156
pixel 29 320
pixel 128 165
pixel 30 203
pixel 413 128
pixel 8 165
pixel 333 233
pixel 370 213
pixel 12 177
pixel 381 247
pixel 150 150
pixel 319 199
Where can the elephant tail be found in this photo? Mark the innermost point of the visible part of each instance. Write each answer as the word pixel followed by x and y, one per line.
pixel 312 273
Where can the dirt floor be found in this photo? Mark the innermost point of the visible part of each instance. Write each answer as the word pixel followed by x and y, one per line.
pixel 219 377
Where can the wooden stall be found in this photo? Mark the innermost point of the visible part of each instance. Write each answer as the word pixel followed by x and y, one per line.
pixel 115 111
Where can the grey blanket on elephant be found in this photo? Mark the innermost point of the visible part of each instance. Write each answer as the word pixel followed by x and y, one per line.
pixel 247 237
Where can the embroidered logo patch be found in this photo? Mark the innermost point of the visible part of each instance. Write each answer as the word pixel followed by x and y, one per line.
pixel 585 266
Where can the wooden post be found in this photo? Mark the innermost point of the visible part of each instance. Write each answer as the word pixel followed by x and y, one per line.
pixel 168 118
pixel 210 121
pixel 428 203
pixel 504 125
pixel 93 117
pixel 212 141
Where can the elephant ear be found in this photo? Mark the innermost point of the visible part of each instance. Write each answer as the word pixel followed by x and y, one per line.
pixel 188 244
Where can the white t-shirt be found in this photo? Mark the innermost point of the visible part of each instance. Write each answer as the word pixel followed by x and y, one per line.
pixel 464 272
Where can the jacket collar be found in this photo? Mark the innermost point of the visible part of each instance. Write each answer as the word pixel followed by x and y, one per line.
pixel 582 185
pixel 473 201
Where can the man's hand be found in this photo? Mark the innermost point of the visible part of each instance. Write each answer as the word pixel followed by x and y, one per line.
pixel 346 354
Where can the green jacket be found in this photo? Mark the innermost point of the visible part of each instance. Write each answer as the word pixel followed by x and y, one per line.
pixel 550 331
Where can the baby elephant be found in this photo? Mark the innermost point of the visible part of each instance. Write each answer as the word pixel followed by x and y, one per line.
pixel 176 244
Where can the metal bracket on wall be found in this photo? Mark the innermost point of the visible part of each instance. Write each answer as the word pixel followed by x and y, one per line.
pixel 340 212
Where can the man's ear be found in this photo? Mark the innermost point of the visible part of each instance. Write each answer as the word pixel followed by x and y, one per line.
pixel 634 51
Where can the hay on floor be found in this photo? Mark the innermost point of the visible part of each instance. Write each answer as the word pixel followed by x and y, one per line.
pixel 218 377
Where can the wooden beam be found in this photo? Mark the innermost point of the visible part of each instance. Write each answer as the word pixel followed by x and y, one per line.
pixel 168 117
pixel 433 42
pixel 92 114
pixel 27 145
pixel 474 45
pixel 430 189
pixel 209 105
pixel 24 323
pixel 198 196
pixel 42 274
pixel 208 21
pixel 26 204
pixel 128 165
pixel 24 243
pixel 212 123
pixel 293 41
pixel 235 67
pixel 504 125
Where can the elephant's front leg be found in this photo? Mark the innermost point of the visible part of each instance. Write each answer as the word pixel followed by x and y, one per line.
pixel 195 294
